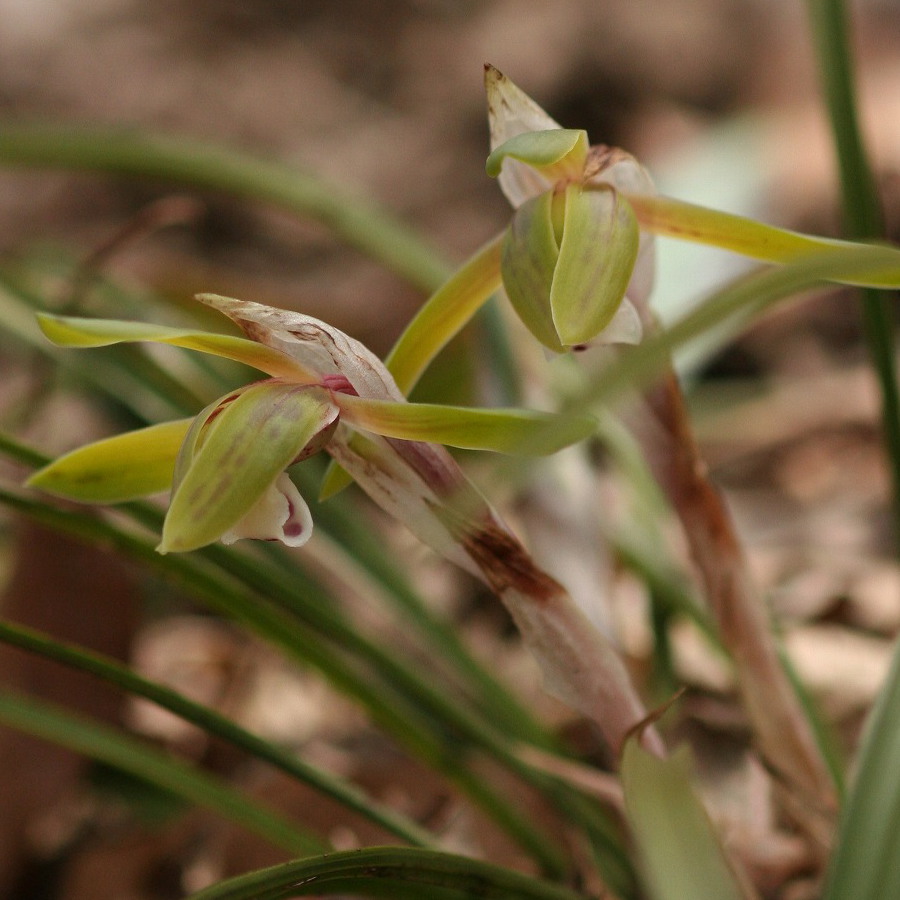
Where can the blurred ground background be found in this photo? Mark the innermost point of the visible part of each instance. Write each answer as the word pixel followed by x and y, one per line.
pixel 718 98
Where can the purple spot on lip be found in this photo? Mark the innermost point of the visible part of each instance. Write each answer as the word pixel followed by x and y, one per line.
pixel 292 528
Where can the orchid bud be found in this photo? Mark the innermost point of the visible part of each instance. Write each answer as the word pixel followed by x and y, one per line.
pixel 567 262
pixel 574 264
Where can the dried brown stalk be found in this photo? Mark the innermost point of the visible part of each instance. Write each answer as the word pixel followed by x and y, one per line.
pixel 782 729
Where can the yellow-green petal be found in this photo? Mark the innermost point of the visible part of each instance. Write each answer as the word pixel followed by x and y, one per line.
pixel 513 431
pixel 126 467
pixel 556 154
pixel 596 258
pixel 68 331
pixel 528 264
pixel 238 457
pixel 687 222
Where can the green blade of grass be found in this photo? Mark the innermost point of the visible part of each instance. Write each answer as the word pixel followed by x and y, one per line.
pixel 122 151
pixel 862 214
pixel 866 864
pixel 386 871
pixel 131 755
pixel 428 737
pixel 214 723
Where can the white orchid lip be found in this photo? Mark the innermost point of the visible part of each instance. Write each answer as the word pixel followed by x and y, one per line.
pixel 280 514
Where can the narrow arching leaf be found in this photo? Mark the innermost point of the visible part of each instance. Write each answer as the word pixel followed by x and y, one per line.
pixel 245 447
pixel 866 865
pixel 677 219
pixel 681 855
pixel 198 164
pixel 558 154
pixel 388 871
pixel 68 331
pixel 125 467
pixel 511 431
pixel 596 259
pixel 133 756
pixel 214 723
pixel 528 264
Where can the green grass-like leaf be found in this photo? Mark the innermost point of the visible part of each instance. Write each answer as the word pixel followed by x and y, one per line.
pixel 214 723
pixel 102 743
pixel 866 862
pixel 388 872
pixel 681 855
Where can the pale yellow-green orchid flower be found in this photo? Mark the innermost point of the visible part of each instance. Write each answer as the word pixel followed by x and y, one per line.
pixel 226 466
pixel 574 263
pixel 534 157
pixel 577 260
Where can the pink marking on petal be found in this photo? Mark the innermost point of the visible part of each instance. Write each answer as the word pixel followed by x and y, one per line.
pixel 340 384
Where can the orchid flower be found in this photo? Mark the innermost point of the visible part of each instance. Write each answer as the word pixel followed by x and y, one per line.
pixel 574 264
pixel 577 259
pixel 326 391
pixel 226 467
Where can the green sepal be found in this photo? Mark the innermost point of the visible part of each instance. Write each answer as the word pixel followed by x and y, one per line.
pixel 512 431
pixel 557 154
pixel 69 331
pixel 228 465
pixel 125 467
pixel 528 263
pixel 596 258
